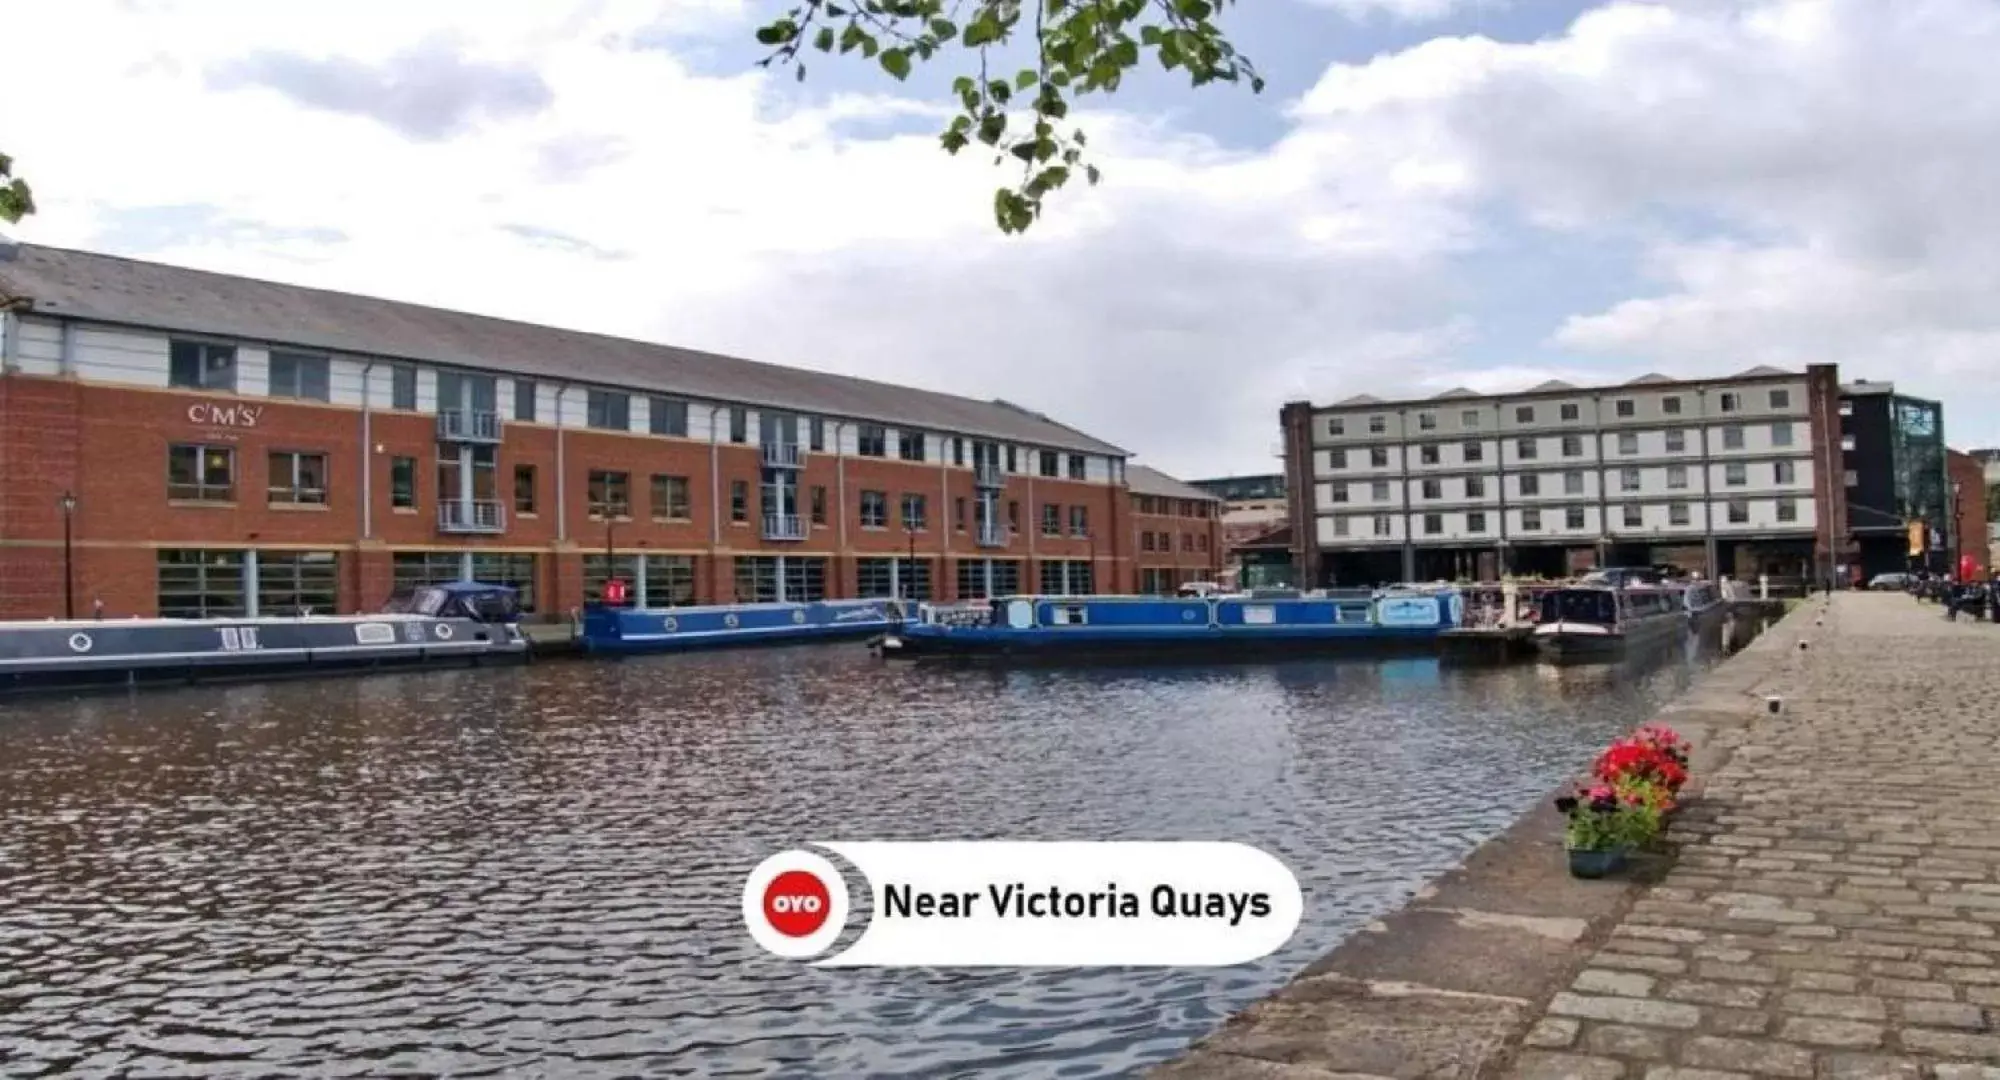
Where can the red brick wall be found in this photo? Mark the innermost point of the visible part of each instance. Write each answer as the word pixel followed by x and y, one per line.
pixel 1969 475
pixel 1199 563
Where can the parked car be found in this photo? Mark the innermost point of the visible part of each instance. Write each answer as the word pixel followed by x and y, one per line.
pixel 1889 582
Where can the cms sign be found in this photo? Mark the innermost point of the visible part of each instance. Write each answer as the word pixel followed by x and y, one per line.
pixel 216 414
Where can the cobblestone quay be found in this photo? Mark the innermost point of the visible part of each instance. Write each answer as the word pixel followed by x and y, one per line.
pixel 1833 910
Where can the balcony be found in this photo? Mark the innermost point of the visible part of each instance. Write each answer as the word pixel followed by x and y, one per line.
pixel 468 426
pixel 784 527
pixel 986 474
pixel 783 456
pixel 992 535
pixel 477 516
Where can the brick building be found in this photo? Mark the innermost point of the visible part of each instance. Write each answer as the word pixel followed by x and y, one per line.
pixel 225 446
pixel 1968 498
pixel 1176 532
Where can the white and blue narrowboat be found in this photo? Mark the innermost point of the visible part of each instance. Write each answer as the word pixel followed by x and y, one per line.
pixel 1603 620
pixel 459 624
pixel 1211 627
pixel 609 629
pixel 1704 601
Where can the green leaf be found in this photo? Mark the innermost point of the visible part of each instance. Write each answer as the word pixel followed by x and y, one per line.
pixel 1025 79
pixel 823 41
pixel 1091 174
pixel 943 29
pixel 896 62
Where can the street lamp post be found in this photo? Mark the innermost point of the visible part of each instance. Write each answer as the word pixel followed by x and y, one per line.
pixel 68 505
pixel 1090 538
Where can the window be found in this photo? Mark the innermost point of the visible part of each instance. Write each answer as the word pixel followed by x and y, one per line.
pixel 1379 491
pixel 1382 527
pixel 913 512
pixel 1847 442
pixel 1677 477
pixel 739 424
pixel 298 582
pixel 1677 513
pixel 1427 421
pixel 1469 418
pixel 669 581
pixel 1853 478
pixel 874 510
pixel 958 514
pixel 298 375
pixel 1677 441
pixel 1573 518
pixel 1524 414
pixel 1335 427
pixel 196 365
pixel 957 451
pixel 1433 489
pixel 1729 402
pixel 818 502
pixel 1047 463
pixel 524 489
pixel 1635 516
pixel 1671 405
pixel 1625 407
pixel 1378 457
pixel 296 479
pixel 1739 512
pixel 1377 425
pixel 201 473
pixel 1524 449
pixel 910 446
pixel 1784 473
pixel 665 416
pixel 739 502
pixel 1572 483
pixel 608 410
pixel 1473 451
pixel 403 387
pixel 609 494
pixel 1146 540
pixel 1846 407
pixel 1013 516
pixel 1012 467
pixel 200 584
pixel 670 498
pixel 524 400
pixel 1078 469
pixel 1735 474
pixel 1732 437
pixel 1433 524
pixel 1428 454
pixel 1628 443
pixel 1187 541
pixel 403 483
pixel 873 441
pixel 1336 459
pixel 1475 522
pixel 1079 521
pixel 1570 412
pixel 1531 521
pixel 1781 432
pixel 1531 484
pixel 1475 487
pixel 1788 508
pixel 1628 480
pixel 1781 399
pixel 816 434
pixel 982 578
pixel 1339 492
pixel 1051 519
pixel 1340 526
pixel 1572 446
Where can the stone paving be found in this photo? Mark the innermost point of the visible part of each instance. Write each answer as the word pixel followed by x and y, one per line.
pixel 1835 909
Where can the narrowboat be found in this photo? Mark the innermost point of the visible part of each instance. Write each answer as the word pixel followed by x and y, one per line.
pixel 1598 620
pixel 451 625
pixel 1704 601
pixel 1207 628
pixel 614 630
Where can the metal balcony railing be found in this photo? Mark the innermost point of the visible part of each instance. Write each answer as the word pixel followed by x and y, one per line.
pixel 991 535
pixel 783 456
pixel 987 474
pixel 468 426
pixel 784 527
pixel 477 516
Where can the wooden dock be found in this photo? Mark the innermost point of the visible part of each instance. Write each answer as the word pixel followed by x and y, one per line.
pixel 1486 644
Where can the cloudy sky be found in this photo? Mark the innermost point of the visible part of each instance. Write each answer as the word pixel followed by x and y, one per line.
pixel 1430 193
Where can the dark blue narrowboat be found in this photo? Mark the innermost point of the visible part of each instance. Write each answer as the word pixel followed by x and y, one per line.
pixel 458 624
pixel 1595 621
pixel 1213 627
pixel 638 630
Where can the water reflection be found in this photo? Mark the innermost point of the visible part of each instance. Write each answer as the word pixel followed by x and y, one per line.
pixel 538 870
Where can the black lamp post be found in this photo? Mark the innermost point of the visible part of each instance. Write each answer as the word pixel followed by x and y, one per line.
pixel 610 559
pixel 68 505
pixel 1090 537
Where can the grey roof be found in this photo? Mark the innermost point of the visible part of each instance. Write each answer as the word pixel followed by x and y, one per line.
pixel 1761 371
pixel 1454 392
pixel 1145 481
pixel 1552 384
pixel 105 288
pixel 1648 379
pixel 1361 399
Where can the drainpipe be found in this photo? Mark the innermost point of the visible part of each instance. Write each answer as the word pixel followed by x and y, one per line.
pixel 562 472
pixel 839 509
pixel 10 338
pixel 68 356
pixel 714 493
pixel 367 455
pixel 947 521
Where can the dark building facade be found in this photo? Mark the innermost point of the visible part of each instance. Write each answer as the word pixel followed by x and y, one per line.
pixel 1898 495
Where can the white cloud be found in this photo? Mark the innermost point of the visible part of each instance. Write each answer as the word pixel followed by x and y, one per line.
pixel 1404 10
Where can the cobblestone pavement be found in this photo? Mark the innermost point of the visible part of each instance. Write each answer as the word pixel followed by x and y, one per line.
pixel 1835 911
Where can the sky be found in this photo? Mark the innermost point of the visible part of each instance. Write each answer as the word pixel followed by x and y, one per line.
pixel 1428 194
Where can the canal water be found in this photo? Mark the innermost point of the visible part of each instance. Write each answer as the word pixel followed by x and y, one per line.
pixel 539 871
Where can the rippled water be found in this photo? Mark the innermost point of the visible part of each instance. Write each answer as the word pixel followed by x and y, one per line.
pixel 539 870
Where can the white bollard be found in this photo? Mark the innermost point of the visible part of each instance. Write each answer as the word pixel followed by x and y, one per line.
pixel 1763 586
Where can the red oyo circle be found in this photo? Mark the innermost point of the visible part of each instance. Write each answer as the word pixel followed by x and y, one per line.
pixel 796 903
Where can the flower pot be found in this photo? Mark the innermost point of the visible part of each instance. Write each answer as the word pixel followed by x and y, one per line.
pixel 1595 864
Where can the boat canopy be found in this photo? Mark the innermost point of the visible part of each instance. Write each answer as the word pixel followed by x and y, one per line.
pixel 460 599
pixel 1598 606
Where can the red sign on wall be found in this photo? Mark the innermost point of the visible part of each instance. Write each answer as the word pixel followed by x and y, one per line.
pixel 614 591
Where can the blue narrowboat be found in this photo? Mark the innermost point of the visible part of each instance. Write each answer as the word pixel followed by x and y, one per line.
pixel 637 630
pixel 1213 627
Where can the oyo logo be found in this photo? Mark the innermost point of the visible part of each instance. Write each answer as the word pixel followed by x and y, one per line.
pixel 795 904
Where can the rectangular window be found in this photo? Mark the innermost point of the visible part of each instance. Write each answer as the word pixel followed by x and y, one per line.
pixel 296 479
pixel 1788 508
pixel 1379 491
pixel 1433 489
pixel 1628 443
pixel 1853 478
pixel 1146 540
pixel 299 375
pixel 1340 526
pixel 608 410
pixel 816 434
pixel 524 489
pixel 1677 441
pixel 669 581
pixel 666 416
pixel 906 578
pixel 1049 463
pixel 1475 487
pixel 598 569
pixel 1625 408
pixel 670 499
pixel 873 441
pixel 291 583
pixel 1336 427
pixel 818 504
pixel 1781 399
pixel 914 517
pixel 1473 452
pixel 957 451
pixel 1336 459
pixel 1739 512
pixel 1382 526
pixel 1573 518
pixel 1677 477
pixel 1628 479
pixel 1635 516
pixel 739 501
pixel 1735 474
pixel 1339 492
pixel 1677 513
pixel 1784 473
pixel 403 483
pixel 1469 418
pixel 1572 446
pixel 1013 516
pixel 974 583
pixel 1569 412
pixel 524 400
pixel 1729 402
pixel 1079 521
pixel 1427 421
pixel 196 365
pixel 1378 457
pixel 201 473
pixel 1012 466
pixel 874 509
pixel 1051 519
pixel 1531 484
pixel 1732 437
pixel 609 494
pixel 1670 405
pixel 1531 521
pixel 1428 454
pixel 403 387
pixel 739 424
pixel 194 584
pixel 958 514
pixel 1475 522
pixel 1524 449
pixel 1781 433
pixel 1377 425
pixel 1524 414
pixel 1078 470
pixel 1433 524
pixel 1846 407
pixel 1572 483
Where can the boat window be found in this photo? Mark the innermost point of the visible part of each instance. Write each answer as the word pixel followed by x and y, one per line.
pixel 1579 605
pixel 1352 613
pixel 1068 615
